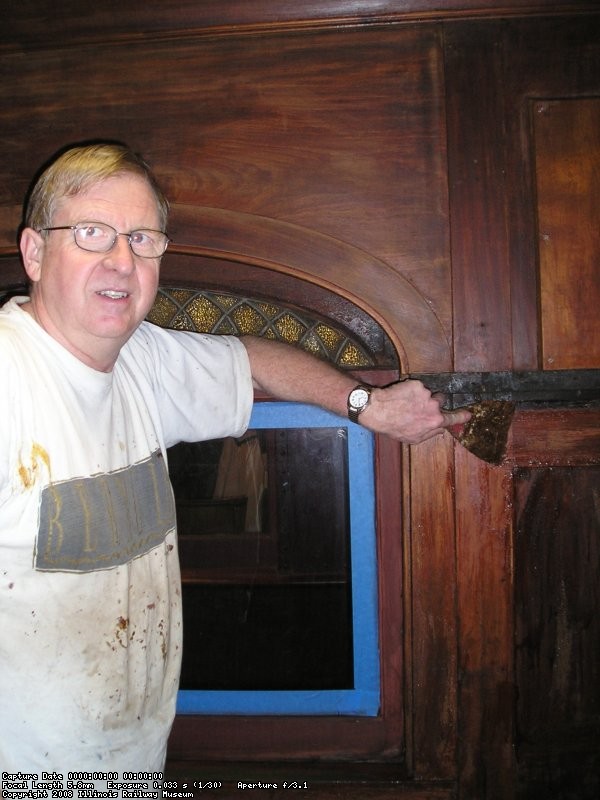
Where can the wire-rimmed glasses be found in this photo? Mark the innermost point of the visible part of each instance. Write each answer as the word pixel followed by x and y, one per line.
pixel 100 237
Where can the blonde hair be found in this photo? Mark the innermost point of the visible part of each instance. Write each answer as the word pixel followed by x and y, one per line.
pixel 78 169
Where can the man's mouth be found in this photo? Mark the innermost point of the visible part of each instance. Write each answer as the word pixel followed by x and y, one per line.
pixel 112 294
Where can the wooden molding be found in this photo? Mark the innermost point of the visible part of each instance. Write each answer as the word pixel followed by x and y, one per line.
pixel 360 277
pixel 37 23
pixel 553 437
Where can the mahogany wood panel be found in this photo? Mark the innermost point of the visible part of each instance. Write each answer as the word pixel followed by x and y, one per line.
pixel 547 59
pixel 477 178
pixel 339 133
pixel 557 565
pixel 432 559
pixel 547 437
pixel 393 598
pixel 72 22
pixel 494 73
pixel 567 156
pixel 486 692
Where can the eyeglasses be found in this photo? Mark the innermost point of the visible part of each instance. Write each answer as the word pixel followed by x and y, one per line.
pixel 98 237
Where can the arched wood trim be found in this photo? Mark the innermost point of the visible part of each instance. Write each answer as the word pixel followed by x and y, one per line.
pixel 389 298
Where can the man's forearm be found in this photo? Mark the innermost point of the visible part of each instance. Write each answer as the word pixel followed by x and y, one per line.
pixel 288 373
pixel 406 411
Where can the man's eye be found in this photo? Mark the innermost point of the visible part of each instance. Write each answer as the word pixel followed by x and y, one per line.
pixel 92 232
pixel 141 238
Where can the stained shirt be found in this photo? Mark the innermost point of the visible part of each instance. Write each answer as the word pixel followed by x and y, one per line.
pixel 90 590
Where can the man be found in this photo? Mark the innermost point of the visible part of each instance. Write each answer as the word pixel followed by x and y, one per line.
pixel 90 600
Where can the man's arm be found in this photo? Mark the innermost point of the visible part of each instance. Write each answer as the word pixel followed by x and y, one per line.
pixel 406 411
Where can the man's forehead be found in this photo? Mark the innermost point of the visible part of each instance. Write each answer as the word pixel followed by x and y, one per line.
pixel 127 196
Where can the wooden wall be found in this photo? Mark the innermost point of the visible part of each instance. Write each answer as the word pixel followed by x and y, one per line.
pixel 436 165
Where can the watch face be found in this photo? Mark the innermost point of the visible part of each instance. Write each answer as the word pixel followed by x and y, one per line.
pixel 358 398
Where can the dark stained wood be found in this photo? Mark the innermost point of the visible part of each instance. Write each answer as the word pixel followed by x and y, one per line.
pixel 477 184
pixel 486 692
pixel 334 264
pixel 265 136
pixel 534 72
pixel 536 387
pixel 378 155
pixel 394 611
pixel 523 58
pixel 557 564
pixel 12 274
pixel 496 73
pixel 567 153
pixel 71 22
pixel 433 608
pixel 327 781
pixel 548 437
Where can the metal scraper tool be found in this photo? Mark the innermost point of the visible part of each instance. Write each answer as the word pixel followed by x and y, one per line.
pixel 492 398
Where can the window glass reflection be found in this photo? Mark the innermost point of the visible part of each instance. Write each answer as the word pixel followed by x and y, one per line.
pixel 264 536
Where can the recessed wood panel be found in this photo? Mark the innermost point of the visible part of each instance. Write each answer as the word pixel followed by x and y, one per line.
pixel 567 155
pixel 557 580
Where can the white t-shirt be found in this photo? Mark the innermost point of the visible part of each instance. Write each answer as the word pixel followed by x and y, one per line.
pixel 90 595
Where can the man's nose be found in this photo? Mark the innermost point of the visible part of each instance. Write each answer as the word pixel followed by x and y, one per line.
pixel 121 256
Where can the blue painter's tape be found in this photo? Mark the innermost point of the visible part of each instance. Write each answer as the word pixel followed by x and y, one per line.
pixel 364 698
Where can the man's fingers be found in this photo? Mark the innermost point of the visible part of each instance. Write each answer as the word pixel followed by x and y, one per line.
pixel 441 398
pixel 459 417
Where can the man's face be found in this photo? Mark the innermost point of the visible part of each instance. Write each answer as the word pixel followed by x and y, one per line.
pixel 92 302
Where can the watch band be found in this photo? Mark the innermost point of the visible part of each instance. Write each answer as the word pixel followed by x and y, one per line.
pixel 362 394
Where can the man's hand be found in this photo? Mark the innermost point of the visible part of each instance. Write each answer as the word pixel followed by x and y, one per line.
pixel 406 411
pixel 409 412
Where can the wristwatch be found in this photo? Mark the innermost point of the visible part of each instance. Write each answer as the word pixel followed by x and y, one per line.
pixel 358 400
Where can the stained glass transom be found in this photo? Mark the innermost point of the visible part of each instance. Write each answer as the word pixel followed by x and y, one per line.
pixel 223 313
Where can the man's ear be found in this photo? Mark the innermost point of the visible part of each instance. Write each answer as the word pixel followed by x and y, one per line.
pixel 32 251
